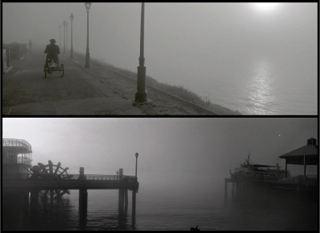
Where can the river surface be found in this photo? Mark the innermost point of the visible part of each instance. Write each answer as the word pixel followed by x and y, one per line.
pixel 163 210
pixel 251 85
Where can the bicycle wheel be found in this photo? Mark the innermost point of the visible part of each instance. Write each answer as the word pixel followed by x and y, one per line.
pixel 61 70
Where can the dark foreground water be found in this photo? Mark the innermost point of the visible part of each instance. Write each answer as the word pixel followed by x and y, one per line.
pixel 162 210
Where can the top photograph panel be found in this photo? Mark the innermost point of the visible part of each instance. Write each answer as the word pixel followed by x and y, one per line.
pixel 158 59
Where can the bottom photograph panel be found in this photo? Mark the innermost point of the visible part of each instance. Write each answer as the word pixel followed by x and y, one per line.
pixel 160 174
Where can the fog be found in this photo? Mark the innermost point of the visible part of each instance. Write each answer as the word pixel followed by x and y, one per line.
pixel 187 44
pixel 176 154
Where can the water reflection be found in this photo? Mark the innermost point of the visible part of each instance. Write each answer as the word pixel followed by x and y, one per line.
pixel 260 88
pixel 38 212
pixel 267 208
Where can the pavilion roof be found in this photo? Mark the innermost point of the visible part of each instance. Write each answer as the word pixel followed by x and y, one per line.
pixel 309 153
pixel 305 150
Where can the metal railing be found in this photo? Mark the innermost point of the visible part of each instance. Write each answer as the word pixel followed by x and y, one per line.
pixel 103 177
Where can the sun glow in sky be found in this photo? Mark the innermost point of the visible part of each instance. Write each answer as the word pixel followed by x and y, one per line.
pixel 266 6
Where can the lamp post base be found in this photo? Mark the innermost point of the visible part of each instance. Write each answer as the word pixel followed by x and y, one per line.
pixel 87 60
pixel 141 94
pixel 141 97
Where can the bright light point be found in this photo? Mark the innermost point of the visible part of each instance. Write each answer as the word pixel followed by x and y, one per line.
pixel 279 135
pixel 265 6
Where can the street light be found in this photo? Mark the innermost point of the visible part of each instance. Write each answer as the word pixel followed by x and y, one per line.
pixel 141 94
pixel 71 51
pixel 136 163
pixel 87 65
pixel 64 36
pixel 59 35
pixel 67 36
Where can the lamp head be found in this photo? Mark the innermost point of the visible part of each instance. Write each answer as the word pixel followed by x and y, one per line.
pixel 88 5
pixel 71 17
pixel 137 155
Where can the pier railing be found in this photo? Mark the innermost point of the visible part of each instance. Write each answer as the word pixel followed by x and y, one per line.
pixel 102 177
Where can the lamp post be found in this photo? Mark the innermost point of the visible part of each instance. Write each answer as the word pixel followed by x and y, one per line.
pixel 64 36
pixel 136 164
pixel 59 35
pixel 141 94
pixel 87 65
pixel 71 51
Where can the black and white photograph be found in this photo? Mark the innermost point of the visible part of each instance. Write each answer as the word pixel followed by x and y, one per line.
pixel 160 116
pixel 160 174
pixel 160 58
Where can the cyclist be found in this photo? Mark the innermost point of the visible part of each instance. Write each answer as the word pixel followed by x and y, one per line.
pixel 52 50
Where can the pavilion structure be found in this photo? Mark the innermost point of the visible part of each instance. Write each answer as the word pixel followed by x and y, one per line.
pixel 305 155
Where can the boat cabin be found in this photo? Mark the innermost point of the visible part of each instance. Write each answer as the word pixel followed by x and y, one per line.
pixel 16 158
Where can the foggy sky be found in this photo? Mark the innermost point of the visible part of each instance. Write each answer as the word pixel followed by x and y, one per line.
pixel 198 32
pixel 170 149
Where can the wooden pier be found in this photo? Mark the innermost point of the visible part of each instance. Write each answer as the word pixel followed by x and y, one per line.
pixel 82 182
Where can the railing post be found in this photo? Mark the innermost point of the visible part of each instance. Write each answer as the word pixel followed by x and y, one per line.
pixel 120 174
pixel 82 176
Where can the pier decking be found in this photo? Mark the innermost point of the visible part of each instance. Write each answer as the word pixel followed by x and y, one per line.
pixel 29 184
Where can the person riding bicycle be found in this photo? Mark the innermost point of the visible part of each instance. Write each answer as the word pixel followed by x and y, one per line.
pixel 52 51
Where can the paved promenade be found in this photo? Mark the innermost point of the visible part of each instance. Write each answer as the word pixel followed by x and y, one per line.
pixel 80 92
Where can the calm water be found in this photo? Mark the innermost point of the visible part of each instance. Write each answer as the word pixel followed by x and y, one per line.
pixel 162 210
pixel 252 85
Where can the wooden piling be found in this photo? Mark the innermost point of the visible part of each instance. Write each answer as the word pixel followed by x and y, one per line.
pixel 232 189
pixel 121 201
pixel 126 201
pixel 83 201
pixel 25 203
pixel 121 194
pixel 133 204
pixel 225 190
pixel 51 197
pixel 83 195
pixel 34 198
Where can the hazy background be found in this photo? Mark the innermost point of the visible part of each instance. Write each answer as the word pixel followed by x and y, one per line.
pixel 175 154
pixel 257 61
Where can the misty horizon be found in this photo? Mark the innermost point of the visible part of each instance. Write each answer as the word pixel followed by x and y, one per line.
pixel 171 150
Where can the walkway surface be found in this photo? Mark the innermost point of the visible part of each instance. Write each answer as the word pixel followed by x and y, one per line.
pixel 79 92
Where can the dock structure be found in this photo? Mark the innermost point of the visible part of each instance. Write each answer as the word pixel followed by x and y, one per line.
pixel 51 181
pixel 305 155
pixel 81 182
pixel 248 181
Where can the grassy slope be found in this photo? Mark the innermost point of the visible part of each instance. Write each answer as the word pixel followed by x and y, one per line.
pixel 179 91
